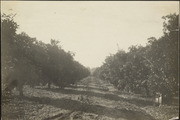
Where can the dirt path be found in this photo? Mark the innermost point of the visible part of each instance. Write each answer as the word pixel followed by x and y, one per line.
pixel 90 99
pixel 101 100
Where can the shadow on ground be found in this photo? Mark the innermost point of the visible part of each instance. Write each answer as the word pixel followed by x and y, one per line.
pixel 115 97
pixel 88 87
pixel 73 105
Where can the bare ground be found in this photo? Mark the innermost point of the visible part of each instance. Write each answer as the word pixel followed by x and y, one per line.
pixel 90 99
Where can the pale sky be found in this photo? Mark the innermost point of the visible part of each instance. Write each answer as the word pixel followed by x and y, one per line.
pixel 91 29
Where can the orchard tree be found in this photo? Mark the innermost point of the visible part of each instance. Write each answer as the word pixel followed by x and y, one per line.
pixel 26 60
pixel 152 68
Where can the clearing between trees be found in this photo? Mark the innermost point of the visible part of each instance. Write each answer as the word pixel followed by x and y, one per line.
pixel 90 99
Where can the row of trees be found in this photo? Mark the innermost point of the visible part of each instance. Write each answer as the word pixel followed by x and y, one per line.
pixel 149 69
pixel 29 61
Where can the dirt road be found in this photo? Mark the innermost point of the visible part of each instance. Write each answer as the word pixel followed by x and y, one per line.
pixel 90 99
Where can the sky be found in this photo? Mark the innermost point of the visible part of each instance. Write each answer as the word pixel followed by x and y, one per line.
pixel 91 29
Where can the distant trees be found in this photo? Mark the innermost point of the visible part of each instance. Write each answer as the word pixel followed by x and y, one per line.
pixel 32 62
pixel 153 68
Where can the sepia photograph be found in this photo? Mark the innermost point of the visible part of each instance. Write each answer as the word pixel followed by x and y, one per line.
pixel 90 60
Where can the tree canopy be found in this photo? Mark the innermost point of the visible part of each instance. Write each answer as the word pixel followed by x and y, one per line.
pixel 152 68
pixel 34 62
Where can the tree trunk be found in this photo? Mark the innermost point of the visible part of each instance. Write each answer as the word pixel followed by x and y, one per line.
pixel 20 88
pixel 49 85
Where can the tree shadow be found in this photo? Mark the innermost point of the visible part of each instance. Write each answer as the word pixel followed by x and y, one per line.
pixel 108 96
pixel 88 87
pixel 73 105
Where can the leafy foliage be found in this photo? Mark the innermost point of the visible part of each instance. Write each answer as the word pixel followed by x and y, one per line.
pixel 152 68
pixel 33 62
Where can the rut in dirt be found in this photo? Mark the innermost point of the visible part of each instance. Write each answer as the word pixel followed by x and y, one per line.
pixel 98 97
pixel 90 99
